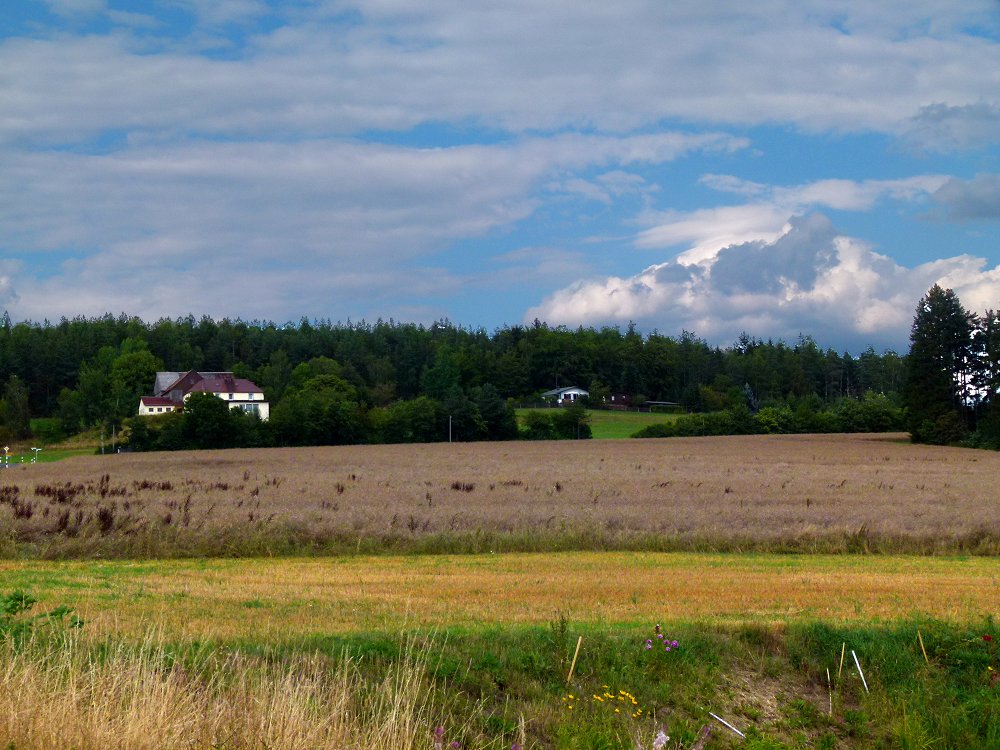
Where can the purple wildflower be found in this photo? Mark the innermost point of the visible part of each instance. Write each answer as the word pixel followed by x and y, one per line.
pixel 668 648
pixel 649 644
pixel 455 744
pixel 675 644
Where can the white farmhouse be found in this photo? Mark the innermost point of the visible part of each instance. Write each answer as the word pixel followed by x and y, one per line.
pixel 174 388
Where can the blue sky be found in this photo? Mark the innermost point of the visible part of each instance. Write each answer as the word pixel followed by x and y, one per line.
pixel 780 167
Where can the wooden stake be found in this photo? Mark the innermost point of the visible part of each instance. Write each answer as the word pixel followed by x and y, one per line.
pixel 573 665
pixel 858 665
pixel 841 667
pixel 829 686
pixel 921 639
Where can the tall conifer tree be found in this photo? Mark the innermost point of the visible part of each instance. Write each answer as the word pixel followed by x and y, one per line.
pixel 940 368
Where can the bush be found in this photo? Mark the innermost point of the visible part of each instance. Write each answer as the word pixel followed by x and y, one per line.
pixel 17 625
pixel 47 430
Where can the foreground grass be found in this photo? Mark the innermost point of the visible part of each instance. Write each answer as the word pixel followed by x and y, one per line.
pixel 374 653
pixel 502 687
pixel 67 693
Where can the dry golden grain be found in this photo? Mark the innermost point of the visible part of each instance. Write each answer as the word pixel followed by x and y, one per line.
pixel 823 492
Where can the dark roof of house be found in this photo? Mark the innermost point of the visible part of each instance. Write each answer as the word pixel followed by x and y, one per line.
pixel 168 381
pixel 156 401
pixel 225 385
pixel 171 387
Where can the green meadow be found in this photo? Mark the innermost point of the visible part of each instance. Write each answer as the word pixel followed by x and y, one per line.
pixel 615 425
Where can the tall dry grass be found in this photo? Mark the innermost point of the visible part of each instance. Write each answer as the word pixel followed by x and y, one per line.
pixel 829 493
pixel 66 694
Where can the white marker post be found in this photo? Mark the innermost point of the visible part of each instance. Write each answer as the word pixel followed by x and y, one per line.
pixel 858 665
pixel 726 724
pixel 829 687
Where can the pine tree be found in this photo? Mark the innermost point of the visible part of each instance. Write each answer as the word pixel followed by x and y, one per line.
pixel 940 370
pixel 16 416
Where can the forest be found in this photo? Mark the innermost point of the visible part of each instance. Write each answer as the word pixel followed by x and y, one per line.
pixel 390 382
pixel 395 382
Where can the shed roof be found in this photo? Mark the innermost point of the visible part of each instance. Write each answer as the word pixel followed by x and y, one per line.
pixel 561 391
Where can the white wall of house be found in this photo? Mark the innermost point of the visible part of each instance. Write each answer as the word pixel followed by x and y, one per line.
pixel 147 411
pixel 261 407
pixel 245 401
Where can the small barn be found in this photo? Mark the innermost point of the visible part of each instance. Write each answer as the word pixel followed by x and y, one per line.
pixel 563 396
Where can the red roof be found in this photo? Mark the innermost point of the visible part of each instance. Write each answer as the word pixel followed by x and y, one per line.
pixel 156 401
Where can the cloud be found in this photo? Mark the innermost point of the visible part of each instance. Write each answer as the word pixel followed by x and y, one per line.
pixel 255 157
pixel 978 198
pixel 709 229
pixel 7 294
pixel 810 279
pixel 941 127
pixel 705 231
pixel 308 216
pixel 76 8
pixel 349 67
pixel 606 188
pixel 537 263
pixel 838 194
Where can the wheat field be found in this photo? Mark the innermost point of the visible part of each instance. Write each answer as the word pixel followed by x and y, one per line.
pixel 812 493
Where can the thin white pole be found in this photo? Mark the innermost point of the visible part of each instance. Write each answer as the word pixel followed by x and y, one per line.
pixel 858 665
pixel 726 723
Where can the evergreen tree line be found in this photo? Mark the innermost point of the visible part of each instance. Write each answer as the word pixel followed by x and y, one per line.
pixel 953 373
pixel 397 382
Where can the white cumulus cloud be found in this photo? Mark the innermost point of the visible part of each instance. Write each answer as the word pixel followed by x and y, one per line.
pixel 810 279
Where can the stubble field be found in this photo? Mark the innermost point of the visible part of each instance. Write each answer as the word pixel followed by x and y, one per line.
pixel 856 493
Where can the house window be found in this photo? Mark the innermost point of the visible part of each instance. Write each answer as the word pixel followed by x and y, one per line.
pixel 159 408
pixel 150 409
pixel 230 396
pixel 250 397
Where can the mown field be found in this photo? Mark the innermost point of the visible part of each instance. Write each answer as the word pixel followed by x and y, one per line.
pixel 463 578
pixel 295 597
